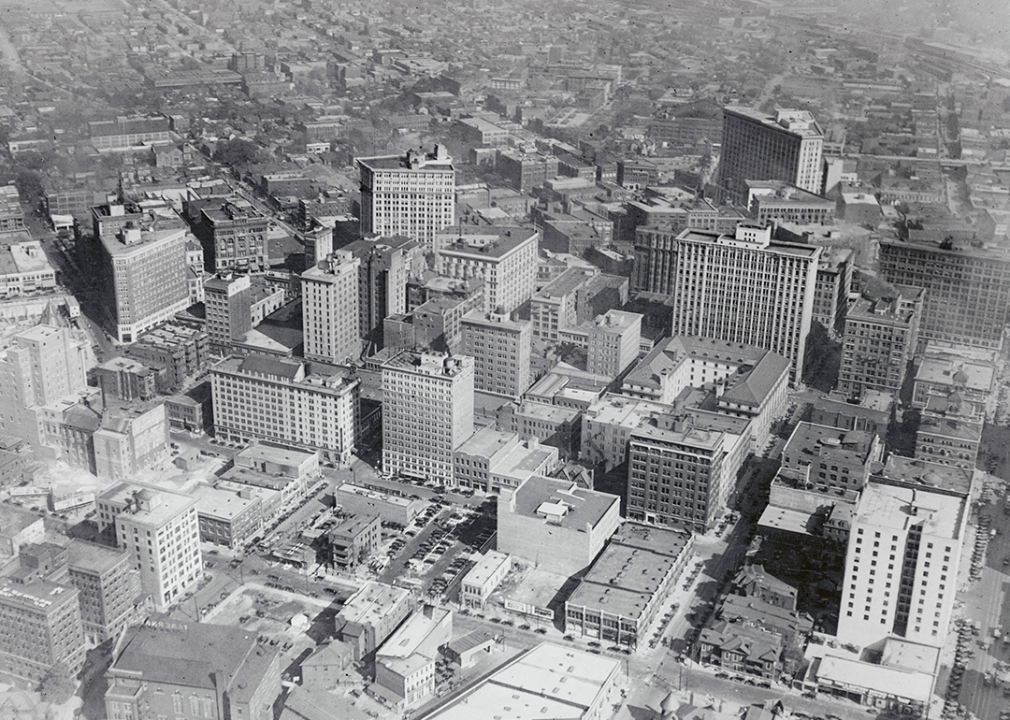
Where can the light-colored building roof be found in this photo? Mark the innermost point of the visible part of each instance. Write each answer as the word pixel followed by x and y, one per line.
pixel 879 679
pixel 371 602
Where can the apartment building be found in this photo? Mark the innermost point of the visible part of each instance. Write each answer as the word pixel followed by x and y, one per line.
pixel 504 258
pixel 427 412
pixel 901 566
pixel 330 321
pixel 412 195
pixel 757 146
pixel 967 289
pixel 305 405
pixel 881 333
pixel 501 351
pixel 42 628
pixel 743 288
pixel 145 271
pixel 160 531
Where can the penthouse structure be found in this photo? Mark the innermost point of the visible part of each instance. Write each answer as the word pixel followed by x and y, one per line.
pixel 370 615
pixel 881 333
pixel 427 412
pixel 305 405
pixel 159 529
pixel 192 670
pixel 42 627
pixel 555 524
pixel 908 588
pixel 501 351
pixel 756 146
pixel 967 289
pixel 330 310
pixel 412 195
pixel 744 289
pixel 620 597
pixel 145 272
pixel 505 259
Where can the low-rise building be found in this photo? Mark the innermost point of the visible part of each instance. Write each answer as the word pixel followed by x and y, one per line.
pixel 620 597
pixel 948 440
pixel 227 517
pixel 405 664
pixel 491 460
pixel 353 540
pixel 370 615
pixel 871 414
pixel 831 459
pixel 322 669
pixel 358 500
pixel 191 671
pixel 191 410
pixel 555 524
pixel 482 580
pixel 552 425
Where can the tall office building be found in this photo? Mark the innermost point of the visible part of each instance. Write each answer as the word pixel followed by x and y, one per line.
pixel 228 303
pixel 901 565
pixel 505 258
pixel 145 271
pixel 159 529
pixel 330 319
pixel 43 364
pixel 412 194
pixel 386 264
pixel 310 406
pixel 745 289
pixel 427 412
pixel 967 289
pixel 881 332
pixel 614 340
pixel 757 146
pixel 233 233
pixel 501 351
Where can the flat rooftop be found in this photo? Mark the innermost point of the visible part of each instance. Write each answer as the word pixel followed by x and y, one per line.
pixel 372 495
pixel 371 602
pixel 93 557
pixel 486 442
pixel 881 679
pixel 927 475
pixel 165 504
pixel 949 371
pixel 548 681
pixel 574 506
pixel 492 245
pixel 411 635
pixel 280 456
pixel 220 503
pixel 487 567
pixel 898 508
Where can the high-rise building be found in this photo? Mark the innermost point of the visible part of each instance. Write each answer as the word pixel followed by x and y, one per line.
pixel 192 671
pixel 42 365
pixel 505 258
pixel 228 303
pixel 146 276
pixel 757 146
pixel 108 584
pixel 831 292
pixel 41 626
pixel 967 289
pixel 159 529
pixel 412 195
pixel 386 265
pixel 305 405
pixel 427 412
pixel 501 351
pixel 614 340
pixel 881 332
pixel 330 318
pixel 744 289
pixel 901 565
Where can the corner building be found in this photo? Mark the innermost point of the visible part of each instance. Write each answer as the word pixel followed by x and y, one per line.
pixel 427 412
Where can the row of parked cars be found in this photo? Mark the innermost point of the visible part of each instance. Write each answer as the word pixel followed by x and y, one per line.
pixel 756 682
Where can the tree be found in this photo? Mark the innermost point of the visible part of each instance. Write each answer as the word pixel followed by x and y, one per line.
pixel 237 151
pixel 57 686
